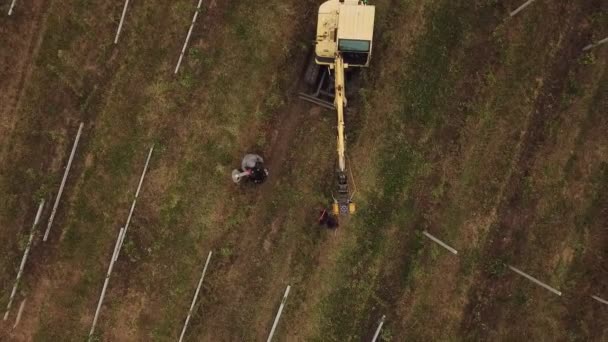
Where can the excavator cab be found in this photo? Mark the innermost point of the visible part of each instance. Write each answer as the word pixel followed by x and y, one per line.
pixel 345 27
pixel 355 52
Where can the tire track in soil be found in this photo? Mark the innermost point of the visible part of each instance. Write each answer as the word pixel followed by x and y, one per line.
pixel 249 246
pixel 17 67
pixel 28 25
pixel 41 259
pixel 584 315
pixel 513 216
pixel 247 265
pixel 21 35
pixel 279 147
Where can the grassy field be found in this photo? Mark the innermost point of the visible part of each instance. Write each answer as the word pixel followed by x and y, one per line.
pixel 485 130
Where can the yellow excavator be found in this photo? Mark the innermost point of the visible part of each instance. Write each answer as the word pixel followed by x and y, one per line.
pixel 345 30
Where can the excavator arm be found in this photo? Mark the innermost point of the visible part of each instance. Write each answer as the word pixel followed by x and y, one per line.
pixel 342 199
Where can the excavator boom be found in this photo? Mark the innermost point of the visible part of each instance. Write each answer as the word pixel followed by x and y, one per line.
pixel 340 102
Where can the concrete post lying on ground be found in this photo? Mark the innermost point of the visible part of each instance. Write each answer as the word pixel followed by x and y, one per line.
pixel 534 280
pixel 439 242
pixel 24 259
pixel 198 288
pixel 181 55
pixel 119 241
pixel 276 319
pixel 122 19
pixel 379 329
pixel 591 46
pixel 19 313
pixel 106 281
pixel 520 8
pixel 10 10
pixel 603 301
pixel 65 177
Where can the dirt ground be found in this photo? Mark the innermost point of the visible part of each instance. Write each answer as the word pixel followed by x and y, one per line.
pixel 20 42
pixel 462 126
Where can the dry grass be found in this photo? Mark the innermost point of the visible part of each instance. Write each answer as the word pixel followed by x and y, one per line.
pixel 445 116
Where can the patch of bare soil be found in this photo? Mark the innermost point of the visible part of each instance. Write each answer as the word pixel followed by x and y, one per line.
pixel 20 38
pixel 395 295
pixel 281 138
pixel 243 274
pixel 483 314
pixel 240 279
pixel 37 296
pixel 588 273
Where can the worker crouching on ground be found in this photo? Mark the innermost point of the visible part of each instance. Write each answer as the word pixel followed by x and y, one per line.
pixel 326 218
pixel 252 168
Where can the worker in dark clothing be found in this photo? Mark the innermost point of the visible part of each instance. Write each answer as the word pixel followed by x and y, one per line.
pixel 258 173
pixel 326 218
